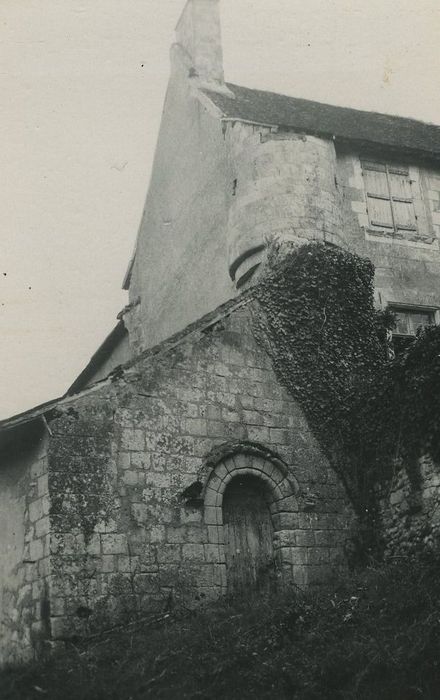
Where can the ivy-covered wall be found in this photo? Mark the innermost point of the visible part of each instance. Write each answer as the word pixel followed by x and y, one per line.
pixel 374 416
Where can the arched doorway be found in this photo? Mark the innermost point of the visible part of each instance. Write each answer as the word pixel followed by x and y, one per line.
pixel 248 535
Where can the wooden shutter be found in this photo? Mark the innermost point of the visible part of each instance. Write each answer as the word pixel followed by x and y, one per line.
pixel 402 199
pixel 378 195
pixel 390 201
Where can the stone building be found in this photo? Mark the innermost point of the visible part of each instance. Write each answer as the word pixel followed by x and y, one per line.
pixel 177 465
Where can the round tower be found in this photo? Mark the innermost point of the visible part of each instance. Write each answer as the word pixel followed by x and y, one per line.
pixel 284 188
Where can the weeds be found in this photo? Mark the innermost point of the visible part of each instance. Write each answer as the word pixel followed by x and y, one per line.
pixel 371 635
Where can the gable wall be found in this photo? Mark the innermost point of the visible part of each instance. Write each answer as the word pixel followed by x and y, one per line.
pixel 180 270
pixel 146 442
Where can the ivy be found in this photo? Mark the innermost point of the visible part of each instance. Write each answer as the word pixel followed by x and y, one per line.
pixel 328 346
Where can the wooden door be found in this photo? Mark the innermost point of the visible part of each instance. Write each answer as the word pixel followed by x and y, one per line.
pixel 248 536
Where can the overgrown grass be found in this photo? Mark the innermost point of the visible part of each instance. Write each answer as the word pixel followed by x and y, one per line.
pixel 372 635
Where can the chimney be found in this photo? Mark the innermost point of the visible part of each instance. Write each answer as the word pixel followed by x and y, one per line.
pixel 198 33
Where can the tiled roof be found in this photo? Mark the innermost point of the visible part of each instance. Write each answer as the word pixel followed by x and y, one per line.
pixel 317 118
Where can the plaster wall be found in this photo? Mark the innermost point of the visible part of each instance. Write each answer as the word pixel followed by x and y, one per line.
pixel 284 188
pixel 180 270
pixel 24 549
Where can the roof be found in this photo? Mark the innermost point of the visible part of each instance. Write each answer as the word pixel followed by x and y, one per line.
pixel 97 360
pixel 80 383
pixel 201 325
pixel 273 109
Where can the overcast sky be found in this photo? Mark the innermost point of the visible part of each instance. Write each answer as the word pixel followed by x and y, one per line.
pixel 82 85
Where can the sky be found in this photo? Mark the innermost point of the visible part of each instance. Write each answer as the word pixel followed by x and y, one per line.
pixel 82 87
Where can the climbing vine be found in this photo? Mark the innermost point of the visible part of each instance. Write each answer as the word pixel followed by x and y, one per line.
pixel 79 458
pixel 328 346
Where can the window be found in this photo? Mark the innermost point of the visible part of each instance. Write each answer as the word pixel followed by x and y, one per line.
pixel 408 321
pixel 390 202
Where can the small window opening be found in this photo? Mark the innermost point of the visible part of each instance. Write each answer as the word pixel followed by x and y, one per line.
pixel 408 322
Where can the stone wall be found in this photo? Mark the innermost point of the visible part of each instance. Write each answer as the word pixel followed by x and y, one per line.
pixel 24 546
pixel 407 271
pixel 139 467
pixel 410 511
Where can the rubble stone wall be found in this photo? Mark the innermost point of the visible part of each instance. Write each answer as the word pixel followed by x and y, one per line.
pixel 410 511
pixel 24 550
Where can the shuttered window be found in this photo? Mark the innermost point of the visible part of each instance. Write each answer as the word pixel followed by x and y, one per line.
pixel 389 197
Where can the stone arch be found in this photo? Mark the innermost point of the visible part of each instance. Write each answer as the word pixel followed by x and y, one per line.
pixel 281 487
pixel 228 449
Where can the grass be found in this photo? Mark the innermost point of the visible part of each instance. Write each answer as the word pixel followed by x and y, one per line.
pixel 373 635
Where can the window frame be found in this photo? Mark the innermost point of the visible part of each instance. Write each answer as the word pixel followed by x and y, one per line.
pixel 431 311
pixel 398 342
pixel 388 169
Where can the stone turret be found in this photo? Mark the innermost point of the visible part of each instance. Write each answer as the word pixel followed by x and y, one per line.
pixel 284 189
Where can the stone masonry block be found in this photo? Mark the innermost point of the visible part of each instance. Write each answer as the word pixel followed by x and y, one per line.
pixel 299 575
pixel 285 521
pixel 241 461
pixel 140 461
pixel 215 534
pixel 305 538
pixel 258 434
pixel 108 565
pixel 130 478
pixel 187 534
pixel 289 504
pixel 285 538
pixel 209 575
pixel 42 527
pixel 157 534
pixel 318 555
pixel 196 426
pixel 215 482
pixel 36 510
pixel 114 544
pixel 36 550
pixel 214 553
pixel 124 460
pixel 193 552
pixel 169 553
pixel 213 515
pixel 221 472
pixel 42 485
pixel 133 439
